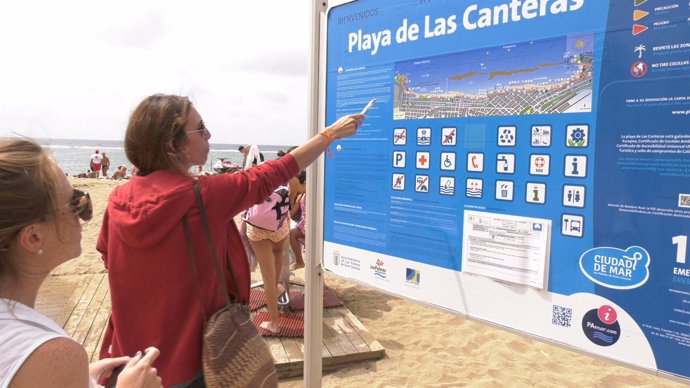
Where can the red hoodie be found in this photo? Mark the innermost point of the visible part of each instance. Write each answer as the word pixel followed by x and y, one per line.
pixel 154 301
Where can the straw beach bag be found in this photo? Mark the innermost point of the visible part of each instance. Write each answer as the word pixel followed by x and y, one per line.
pixel 233 352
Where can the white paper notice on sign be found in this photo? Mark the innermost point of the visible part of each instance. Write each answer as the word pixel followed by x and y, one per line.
pixel 509 248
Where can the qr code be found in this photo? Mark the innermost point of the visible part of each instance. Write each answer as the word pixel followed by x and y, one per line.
pixel 683 200
pixel 562 316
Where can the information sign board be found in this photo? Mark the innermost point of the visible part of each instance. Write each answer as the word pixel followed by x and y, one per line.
pixel 526 163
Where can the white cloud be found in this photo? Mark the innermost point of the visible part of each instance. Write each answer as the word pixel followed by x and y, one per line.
pixel 76 68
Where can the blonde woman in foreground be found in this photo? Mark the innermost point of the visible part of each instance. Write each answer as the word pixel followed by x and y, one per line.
pixel 40 228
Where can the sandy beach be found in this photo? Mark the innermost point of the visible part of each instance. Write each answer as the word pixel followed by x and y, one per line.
pixel 425 347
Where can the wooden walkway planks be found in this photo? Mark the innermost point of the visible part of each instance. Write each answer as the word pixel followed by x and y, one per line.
pixel 59 295
pixel 81 305
pixel 343 344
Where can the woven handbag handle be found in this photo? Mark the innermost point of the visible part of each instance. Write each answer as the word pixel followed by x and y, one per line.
pixel 209 242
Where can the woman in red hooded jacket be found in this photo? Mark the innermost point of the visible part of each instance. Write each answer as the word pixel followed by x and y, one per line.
pixel 154 301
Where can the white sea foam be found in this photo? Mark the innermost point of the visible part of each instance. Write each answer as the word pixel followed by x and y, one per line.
pixel 73 155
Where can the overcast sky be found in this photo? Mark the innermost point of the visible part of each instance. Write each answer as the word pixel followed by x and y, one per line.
pixel 76 69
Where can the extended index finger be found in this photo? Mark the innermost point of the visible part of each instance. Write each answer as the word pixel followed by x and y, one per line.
pixel 151 355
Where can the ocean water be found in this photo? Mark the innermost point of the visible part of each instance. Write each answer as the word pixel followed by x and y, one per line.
pixel 73 156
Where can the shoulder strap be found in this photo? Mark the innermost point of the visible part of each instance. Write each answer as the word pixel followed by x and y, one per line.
pixel 209 242
pixel 192 262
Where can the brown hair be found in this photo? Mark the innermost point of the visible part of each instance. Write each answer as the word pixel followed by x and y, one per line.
pixel 302 177
pixel 28 191
pixel 157 121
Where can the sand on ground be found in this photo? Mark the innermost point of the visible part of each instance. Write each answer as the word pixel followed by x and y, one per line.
pixel 425 347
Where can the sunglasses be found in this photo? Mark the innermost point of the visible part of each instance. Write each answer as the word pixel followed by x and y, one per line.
pixel 204 131
pixel 80 204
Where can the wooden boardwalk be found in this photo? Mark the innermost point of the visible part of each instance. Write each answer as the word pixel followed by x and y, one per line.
pixel 81 305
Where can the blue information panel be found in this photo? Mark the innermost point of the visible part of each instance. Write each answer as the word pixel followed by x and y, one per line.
pixel 526 162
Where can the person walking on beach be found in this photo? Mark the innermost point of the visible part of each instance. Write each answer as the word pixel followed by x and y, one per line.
pixel 153 291
pixel 105 165
pixel 251 155
pixel 298 214
pixel 40 228
pixel 267 228
pixel 95 163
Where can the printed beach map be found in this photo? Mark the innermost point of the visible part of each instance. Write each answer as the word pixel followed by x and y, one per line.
pixel 535 77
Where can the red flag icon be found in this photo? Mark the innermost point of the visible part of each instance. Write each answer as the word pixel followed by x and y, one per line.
pixel 638 29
